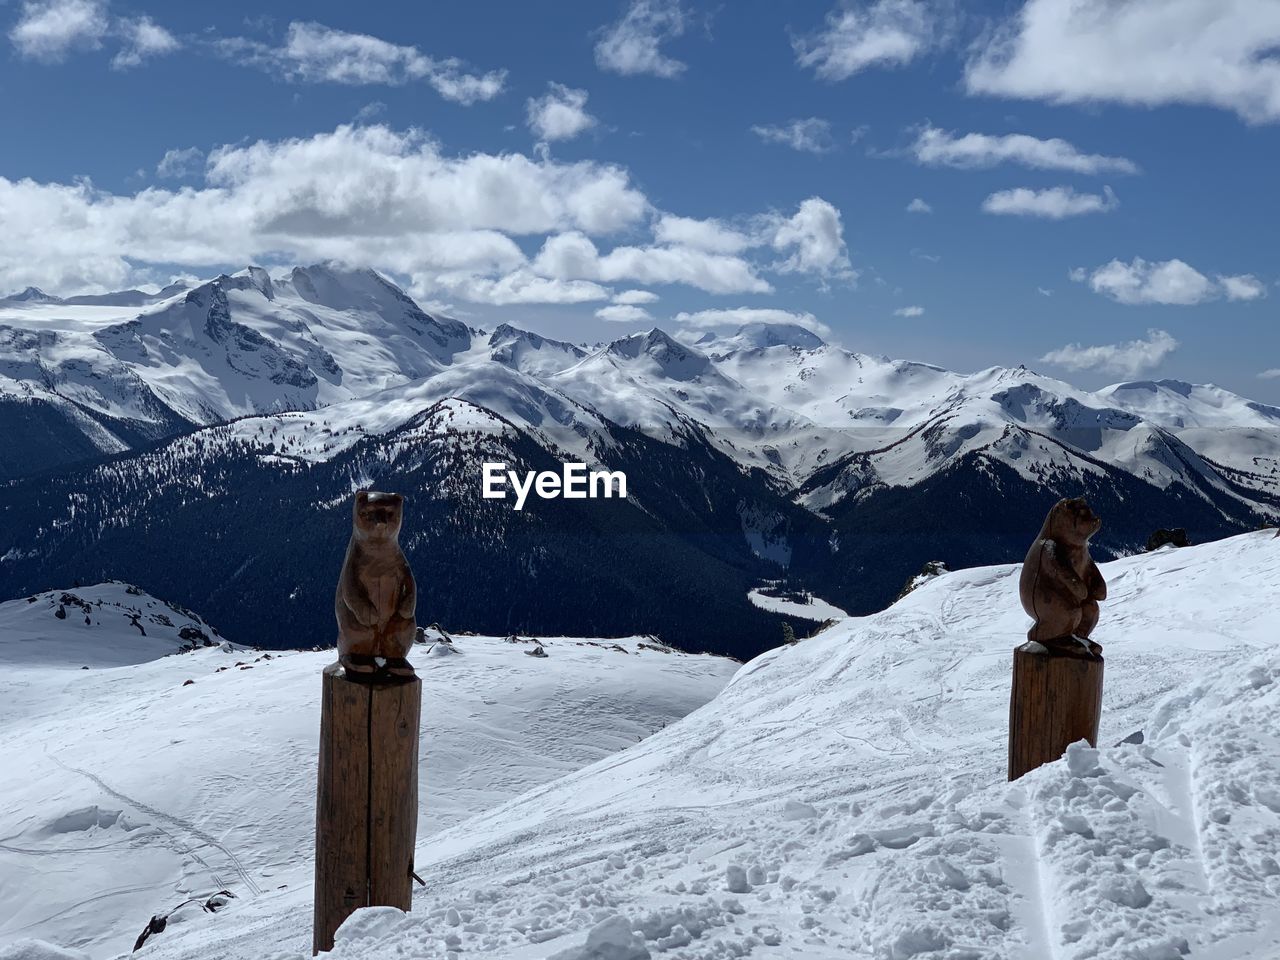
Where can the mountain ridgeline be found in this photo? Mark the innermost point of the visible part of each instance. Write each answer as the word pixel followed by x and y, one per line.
pixel 205 441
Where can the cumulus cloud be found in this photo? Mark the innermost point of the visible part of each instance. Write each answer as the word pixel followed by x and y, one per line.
pixel 451 225
pixel 633 45
pixel 360 194
pixel 1219 53
pixel 180 163
pixel 811 135
pixel 919 206
pixel 519 287
pixel 737 316
pixel 623 313
pixel 1272 374
pixel 1243 287
pixel 48 30
pixel 1052 203
pixel 909 312
pixel 712 235
pixel 635 297
pixel 144 38
pixel 314 53
pixel 1168 282
pixel 815 237
pixel 1126 359
pixel 887 33
pixel 940 148
pixel 811 240
pixel 560 114
pixel 573 255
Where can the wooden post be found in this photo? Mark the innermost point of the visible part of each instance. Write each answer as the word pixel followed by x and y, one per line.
pixel 367 798
pixel 1056 700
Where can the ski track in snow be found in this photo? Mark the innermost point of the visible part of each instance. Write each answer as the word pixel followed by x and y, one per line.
pixel 180 825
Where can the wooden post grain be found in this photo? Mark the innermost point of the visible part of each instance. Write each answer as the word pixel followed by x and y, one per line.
pixel 367 797
pixel 1056 700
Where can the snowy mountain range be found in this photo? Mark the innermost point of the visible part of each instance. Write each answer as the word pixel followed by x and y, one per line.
pixel 843 797
pixel 232 418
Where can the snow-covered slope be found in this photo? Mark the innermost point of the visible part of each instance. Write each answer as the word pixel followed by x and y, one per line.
pixel 232 346
pixel 1232 431
pixel 106 625
pixel 129 789
pixel 845 797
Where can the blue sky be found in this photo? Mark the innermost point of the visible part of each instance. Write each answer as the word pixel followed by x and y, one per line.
pixel 1096 184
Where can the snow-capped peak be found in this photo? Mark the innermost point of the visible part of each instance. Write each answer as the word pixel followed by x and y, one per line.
pixel 673 358
pixel 761 336
pixel 1177 404
pixel 530 353
pixel 32 295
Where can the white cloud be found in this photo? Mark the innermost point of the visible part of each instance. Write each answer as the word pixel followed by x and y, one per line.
pixel 815 235
pixel 737 316
pixel 573 255
pixel 714 236
pixel 372 109
pixel 361 180
pixel 633 45
pixel 314 53
pixel 940 148
pixel 623 313
pixel 1126 359
pixel 180 163
pixel 1044 291
pixel 48 30
pixel 359 194
pixel 812 239
pixel 919 206
pixel 560 114
pixel 909 312
pixel 1272 374
pixel 811 135
pixel 635 297
pixel 887 33
pixel 520 287
pixel 1219 53
pixel 1052 203
pixel 144 38
pixel 1243 287
pixel 1169 282
pixel 393 200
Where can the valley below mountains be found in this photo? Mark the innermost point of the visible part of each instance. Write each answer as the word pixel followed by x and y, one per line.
pixel 204 442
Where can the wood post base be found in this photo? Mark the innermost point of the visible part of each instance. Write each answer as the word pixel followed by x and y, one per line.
pixel 367 797
pixel 1056 700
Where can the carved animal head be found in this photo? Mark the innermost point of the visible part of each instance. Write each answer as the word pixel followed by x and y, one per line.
pixel 377 516
pixel 1072 521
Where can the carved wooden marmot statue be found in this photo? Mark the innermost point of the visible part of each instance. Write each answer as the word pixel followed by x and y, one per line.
pixel 376 594
pixel 1060 585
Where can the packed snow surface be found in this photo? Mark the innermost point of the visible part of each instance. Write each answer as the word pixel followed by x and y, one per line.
pixel 143 781
pixel 842 797
pixel 808 607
